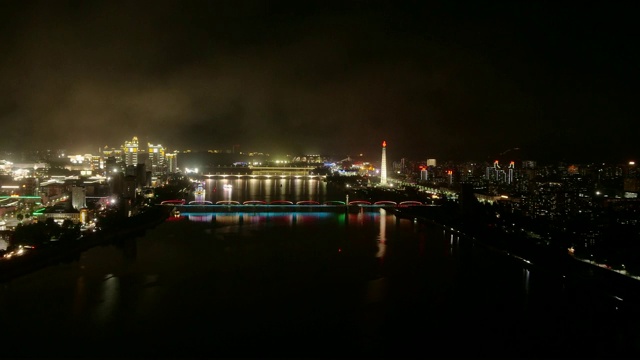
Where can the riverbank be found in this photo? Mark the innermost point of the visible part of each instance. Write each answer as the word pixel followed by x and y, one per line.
pixel 532 253
pixel 69 250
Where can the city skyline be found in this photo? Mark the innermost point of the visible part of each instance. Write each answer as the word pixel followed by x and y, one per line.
pixel 121 151
pixel 450 81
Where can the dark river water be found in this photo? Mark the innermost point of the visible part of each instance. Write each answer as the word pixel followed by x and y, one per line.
pixel 307 284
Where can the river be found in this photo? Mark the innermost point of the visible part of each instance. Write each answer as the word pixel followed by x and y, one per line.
pixel 308 284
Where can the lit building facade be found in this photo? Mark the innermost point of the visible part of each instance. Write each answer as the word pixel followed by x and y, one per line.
pixel 172 162
pixel 97 164
pixel 78 197
pixel 157 159
pixel 111 152
pixel 631 179
pixel 130 150
pixel 383 164
pixel 496 173
pixel 510 172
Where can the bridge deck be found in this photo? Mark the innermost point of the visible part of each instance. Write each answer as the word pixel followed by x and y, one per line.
pixel 279 208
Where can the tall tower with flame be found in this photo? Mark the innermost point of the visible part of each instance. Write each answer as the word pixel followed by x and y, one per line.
pixel 383 164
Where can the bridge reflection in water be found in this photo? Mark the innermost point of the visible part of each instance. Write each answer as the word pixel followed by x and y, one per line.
pixel 281 284
pixel 211 213
pixel 303 206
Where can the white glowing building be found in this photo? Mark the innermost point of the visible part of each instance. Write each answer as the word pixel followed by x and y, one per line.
pixel 383 164
pixel 78 197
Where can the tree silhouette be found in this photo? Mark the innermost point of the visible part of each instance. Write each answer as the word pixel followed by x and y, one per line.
pixel 32 234
pixel 67 224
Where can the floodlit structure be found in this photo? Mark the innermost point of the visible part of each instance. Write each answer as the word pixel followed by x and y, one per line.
pixel 383 164
pixel 78 197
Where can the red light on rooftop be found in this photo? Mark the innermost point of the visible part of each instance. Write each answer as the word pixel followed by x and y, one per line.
pixel 384 144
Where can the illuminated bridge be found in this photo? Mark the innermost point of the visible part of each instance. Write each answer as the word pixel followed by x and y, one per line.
pixel 288 206
pixel 262 176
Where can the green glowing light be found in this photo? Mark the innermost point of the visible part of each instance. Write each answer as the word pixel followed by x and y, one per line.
pixel 20 197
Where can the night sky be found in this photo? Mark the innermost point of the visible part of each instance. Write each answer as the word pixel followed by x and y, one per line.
pixel 446 80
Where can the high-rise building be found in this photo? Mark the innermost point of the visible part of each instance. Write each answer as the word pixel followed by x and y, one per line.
pixel 107 152
pixel 172 162
pixel 143 158
pixel 130 186
pixel 495 173
pixel 111 165
pixel 431 162
pixel 116 183
pixel 383 164
pixel 130 149
pixel 157 159
pixel 97 164
pixel 130 170
pixel 141 176
pixel 510 173
pixel 424 174
pixel 631 180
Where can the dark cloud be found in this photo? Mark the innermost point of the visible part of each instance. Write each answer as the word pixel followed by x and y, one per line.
pixel 450 80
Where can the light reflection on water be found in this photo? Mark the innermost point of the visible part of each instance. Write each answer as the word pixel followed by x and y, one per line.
pixel 526 275
pixel 323 281
pixel 290 189
pixel 382 237
pixel 110 296
pixel 80 297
